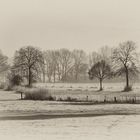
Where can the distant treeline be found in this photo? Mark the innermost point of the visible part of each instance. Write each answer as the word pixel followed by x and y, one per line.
pixel 63 65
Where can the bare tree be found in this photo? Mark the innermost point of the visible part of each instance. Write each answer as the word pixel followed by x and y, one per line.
pixel 48 64
pixel 100 70
pixel 104 53
pixel 125 61
pixel 55 64
pixel 3 63
pixel 79 63
pixel 42 67
pixel 58 65
pixel 63 65
pixel 52 64
pixel 4 67
pixel 65 61
pixel 94 57
pixel 27 60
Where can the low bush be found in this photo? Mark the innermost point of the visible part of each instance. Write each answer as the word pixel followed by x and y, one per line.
pixel 8 87
pixel 59 99
pixel 37 94
pixel 2 85
pixel 51 98
pixel 70 99
pixel 19 89
pixel 16 80
pixel 126 89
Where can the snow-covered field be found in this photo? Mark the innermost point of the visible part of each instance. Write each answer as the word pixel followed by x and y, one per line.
pixel 82 91
pixel 41 120
pixel 86 86
pixel 93 128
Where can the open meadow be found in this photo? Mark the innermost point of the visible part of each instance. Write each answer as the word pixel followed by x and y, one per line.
pixel 89 91
pixel 57 120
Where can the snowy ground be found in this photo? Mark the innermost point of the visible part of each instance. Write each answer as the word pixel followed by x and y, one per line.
pixel 82 91
pixel 95 128
pixel 41 120
pixel 87 86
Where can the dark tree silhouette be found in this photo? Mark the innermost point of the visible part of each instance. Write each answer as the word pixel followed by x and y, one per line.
pixel 15 79
pixel 100 70
pixel 28 59
pixel 125 61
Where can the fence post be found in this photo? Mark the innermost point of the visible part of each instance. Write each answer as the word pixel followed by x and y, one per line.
pixel 21 95
pixel 87 98
pixel 133 100
pixel 126 99
pixel 104 99
pixel 115 99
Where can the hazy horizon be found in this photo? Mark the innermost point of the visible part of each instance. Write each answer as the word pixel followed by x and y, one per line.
pixel 73 24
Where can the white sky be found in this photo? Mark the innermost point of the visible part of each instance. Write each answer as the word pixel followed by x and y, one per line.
pixel 81 24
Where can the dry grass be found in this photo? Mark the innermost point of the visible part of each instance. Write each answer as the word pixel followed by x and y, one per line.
pixel 37 94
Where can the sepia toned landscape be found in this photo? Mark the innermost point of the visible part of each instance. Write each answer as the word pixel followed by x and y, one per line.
pixel 27 119
pixel 69 70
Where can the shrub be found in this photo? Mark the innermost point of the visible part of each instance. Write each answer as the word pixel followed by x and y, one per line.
pixel 59 99
pixel 50 98
pixel 70 99
pixel 126 89
pixel 8 87
pixel 19 89
pixel 2 85
pixel 37 94
pixel 16 80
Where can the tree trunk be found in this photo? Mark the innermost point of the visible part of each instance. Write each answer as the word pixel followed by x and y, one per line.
pixel 54 77
pixel 76 76
pixel 49 79
pixel 127 78
pixel 44 75
pixel 59 77
pixel 29 78
pixel 101 88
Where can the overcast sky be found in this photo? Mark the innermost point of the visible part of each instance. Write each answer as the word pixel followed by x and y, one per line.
pixel 72 24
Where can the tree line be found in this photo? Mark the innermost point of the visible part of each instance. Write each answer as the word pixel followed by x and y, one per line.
pixel 31 65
